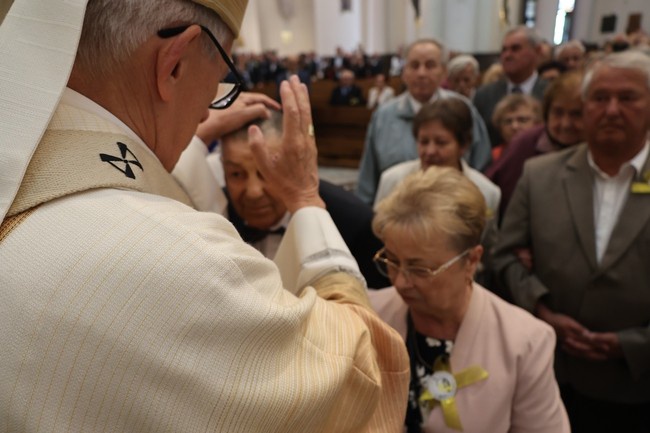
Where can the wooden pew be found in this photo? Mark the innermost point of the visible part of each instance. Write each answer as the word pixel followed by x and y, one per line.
pixel 340 131
pixel 340 134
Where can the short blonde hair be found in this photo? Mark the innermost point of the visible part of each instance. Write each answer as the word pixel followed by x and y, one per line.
pixel 512 102
pixel 571 44
pixel 493 74
pixel 428 203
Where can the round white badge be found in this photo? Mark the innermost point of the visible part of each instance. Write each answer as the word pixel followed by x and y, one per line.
pixel 442 385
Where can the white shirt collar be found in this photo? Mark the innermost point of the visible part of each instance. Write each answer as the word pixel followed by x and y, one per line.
pixel 636 162
pixel 416 105
pixel 527 86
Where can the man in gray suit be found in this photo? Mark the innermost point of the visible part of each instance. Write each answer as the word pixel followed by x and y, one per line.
pixel 389 139
pixel 520 54
pixel 584 214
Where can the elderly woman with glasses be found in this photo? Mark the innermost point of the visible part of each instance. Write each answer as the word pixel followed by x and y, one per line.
pixel 478 364
pixel 513 114
pixel 443 133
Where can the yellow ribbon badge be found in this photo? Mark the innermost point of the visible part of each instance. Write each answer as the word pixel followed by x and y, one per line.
pixel 642 187
pixel 441 389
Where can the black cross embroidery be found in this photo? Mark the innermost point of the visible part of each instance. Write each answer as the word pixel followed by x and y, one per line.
pixel 112 160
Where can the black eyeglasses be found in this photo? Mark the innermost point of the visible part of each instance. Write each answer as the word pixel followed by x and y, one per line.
pixel 227 92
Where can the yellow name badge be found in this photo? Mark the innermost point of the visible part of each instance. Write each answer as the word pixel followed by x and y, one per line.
pixel 441 389
pixel 640 188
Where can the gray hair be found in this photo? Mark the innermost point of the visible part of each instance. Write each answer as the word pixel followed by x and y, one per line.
pixel 272 125
pixel 114 29
pixel 459 63
pixel 534 39
pixel 444 54
pixel 571 44
pixel 629 59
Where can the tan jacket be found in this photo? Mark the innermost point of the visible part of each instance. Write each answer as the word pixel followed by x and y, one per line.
pixel 552 213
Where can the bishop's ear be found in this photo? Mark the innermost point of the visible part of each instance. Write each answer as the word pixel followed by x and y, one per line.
pixel 172 61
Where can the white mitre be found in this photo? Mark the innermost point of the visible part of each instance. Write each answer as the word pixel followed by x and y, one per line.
pixel 38 44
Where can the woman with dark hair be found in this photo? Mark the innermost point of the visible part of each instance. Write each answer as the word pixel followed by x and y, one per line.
pixel 443 132
pixel 551 70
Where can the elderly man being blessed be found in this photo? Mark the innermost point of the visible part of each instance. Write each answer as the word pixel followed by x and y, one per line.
pixel 125 309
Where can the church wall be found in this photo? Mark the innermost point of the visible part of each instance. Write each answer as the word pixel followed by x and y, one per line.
pixel 590 12
pixel 384 25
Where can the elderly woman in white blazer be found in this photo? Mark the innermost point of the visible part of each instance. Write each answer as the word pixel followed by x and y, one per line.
pixel 478 364
pixel 443 133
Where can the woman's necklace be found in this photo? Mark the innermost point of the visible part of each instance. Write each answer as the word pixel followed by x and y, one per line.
pixel 418 355
pixel 439 348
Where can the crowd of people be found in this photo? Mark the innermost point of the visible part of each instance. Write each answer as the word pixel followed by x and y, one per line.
pixel 464 71
pixel 264 68
pixel 568 226
pixel 172 261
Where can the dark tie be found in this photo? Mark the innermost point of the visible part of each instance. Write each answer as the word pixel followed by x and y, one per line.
pixel 516 89
pixel 251 235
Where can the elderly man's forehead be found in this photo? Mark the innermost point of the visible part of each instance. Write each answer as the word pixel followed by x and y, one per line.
pixel 632 73
pixel 518 37
pixel 569 52
pixel 609 78
pixel 424 46
pixel 236 144
pixel 240 141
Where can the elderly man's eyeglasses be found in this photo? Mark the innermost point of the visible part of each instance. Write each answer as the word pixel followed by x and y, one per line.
pixel 227 92
pixel 389 268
